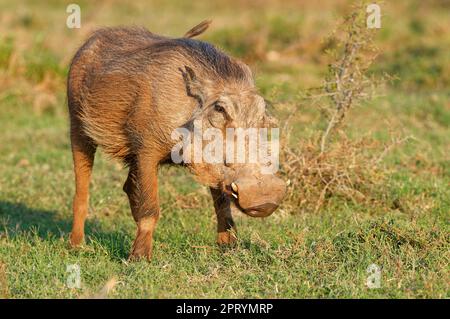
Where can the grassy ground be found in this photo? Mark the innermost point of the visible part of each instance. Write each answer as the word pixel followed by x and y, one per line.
pixel 295 253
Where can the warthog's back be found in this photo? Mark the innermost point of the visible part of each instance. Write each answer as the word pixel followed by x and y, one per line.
pixel 103 47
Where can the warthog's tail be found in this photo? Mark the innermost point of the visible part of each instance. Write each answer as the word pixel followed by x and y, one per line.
pixel 198 29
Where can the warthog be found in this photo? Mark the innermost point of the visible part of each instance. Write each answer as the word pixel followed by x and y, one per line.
pixel 129 89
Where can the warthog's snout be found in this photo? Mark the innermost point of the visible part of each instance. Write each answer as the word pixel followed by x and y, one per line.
pixel 258 196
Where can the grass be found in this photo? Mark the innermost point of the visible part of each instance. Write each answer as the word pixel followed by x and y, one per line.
pixel 295 253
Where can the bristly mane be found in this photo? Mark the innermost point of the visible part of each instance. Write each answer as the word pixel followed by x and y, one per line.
pixel 211 57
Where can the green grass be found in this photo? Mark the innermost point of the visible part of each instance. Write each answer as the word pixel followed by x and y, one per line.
pixel 299 255
pixel 292 254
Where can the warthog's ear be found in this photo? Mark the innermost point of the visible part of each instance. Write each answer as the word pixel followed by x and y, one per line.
pixel 193 86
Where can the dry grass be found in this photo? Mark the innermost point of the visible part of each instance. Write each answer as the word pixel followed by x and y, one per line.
pixel 330 164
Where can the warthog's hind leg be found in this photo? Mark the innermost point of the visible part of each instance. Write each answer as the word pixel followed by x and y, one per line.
pixel 83 150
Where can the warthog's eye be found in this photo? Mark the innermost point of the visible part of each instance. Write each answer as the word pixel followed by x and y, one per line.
pixel 219 108
pixel 218 117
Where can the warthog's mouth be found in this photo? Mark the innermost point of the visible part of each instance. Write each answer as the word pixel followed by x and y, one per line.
pixel 259 211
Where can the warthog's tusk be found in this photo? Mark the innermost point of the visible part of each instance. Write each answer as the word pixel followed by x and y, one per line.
pixel 234 195
pixel 234 187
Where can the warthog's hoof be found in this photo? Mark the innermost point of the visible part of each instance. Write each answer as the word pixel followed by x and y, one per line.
pixel 141 250
pixel 76 239
pixel 138 257
pixel 226 238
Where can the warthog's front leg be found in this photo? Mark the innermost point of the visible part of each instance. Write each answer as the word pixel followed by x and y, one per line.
pixel 226 229
pixel 142 190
